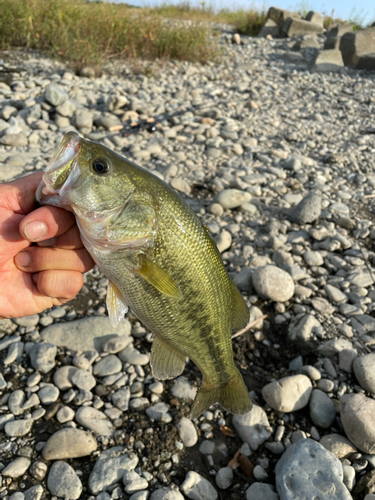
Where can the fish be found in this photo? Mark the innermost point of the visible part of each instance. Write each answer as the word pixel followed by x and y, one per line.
pixel 160 260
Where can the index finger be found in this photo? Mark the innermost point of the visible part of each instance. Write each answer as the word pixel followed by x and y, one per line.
pixel 46 222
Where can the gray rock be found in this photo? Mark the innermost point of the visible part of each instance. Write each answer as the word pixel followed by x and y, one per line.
pixel 327 61
pixel 357 414
pixel 313 258
pixel 308 470
pixel 224 478
pixel 259 473
pixel 69 443
pixel 253 427
pixel 346 359
pixel 308 210
pixel 15 140
pixel 288 394
pixel 16 468
pixel 181 185
pixel 81 379
pixel 349 476
pixel 292 27
pixel 18 428
pixel 223 240
pixel 62 377
pixel 63 482
pixel 269 28
pixel 364 370
pixel 158 411
pixel 48 394
pixel 110 467
pixel 322 409
pixel 166 494
pixel 133 482
pixel 133 356
pixel 303 331
pixel 261 491
pixel 273 283
pixel 16 401
pixel 34 493
pixel 84 334
pixel 116 344
pixel 187 432
pixel 232 198
pixel 338 445
pixel 356 45
pixel 94 420
pixel 121 398
pixel 32 320
pixel 55 95
pixel 84 119
pixel 335 294
pixel 197 487
pixel 42 357
pixel 107 366
pixel 183 389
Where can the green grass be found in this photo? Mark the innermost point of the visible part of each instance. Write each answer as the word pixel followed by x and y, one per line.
pixel 87 34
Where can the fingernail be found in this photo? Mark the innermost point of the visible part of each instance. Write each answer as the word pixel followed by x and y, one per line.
pixel 23 259
pixel 51 242
pixel 35 230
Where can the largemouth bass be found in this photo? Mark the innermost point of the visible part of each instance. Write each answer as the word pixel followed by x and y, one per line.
pixel 160 260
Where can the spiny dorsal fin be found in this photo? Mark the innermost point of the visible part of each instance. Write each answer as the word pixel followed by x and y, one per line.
pixel 115 305
pixel 165 362
pixel 157 277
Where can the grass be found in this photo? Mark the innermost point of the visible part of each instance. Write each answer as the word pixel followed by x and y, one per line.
pixel 87 34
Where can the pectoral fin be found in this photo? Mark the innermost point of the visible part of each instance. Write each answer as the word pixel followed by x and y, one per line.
pixel 240 311
pixel 157 277
pixel 115 305
pixel 165 362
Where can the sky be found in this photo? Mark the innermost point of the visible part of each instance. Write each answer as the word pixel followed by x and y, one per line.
pixel 362 10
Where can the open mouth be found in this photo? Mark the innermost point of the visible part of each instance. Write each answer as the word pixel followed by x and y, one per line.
pixel 62 171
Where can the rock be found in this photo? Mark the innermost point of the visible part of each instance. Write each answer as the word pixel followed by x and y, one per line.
pixel 69 443
pixel 48 394
pixel 303 331
pixel 197 487
pixel 357 414
pixel 107 366
pixel 273 283
pixel 55 95
pixel 133 356
pixel 313 258
pixel 334 36
pixel 17 428
pixel 94 420
pixel 16 468
pixel 34 493
pixel 357 46
pixel 42 357
pixel 288 394
pixel 110 467
pixel 364 370
pixel 261 491
pixel 366 484
pixel 116 344
pixel 327 61
pixel 253 427
pixel 269 28
pixel 308 210
pixel 166 494
pixel 183 389
pixel 133 482
pixel 81 379
pixel 121 398
pixel 338 445
pixel 322 409
pixel 320 473
pixel 63 482
pixel 15 140
pixel 84 119
pixel 62 377
pixel 223 240
pixel 278 15
pixel 292 27
pixel 349 476
pixel 181 185
pixel 187 432
pixel 158 411
pixel 315 18
pixel 335 294
pixel 84 334
pixel 224 478
pixel 232 198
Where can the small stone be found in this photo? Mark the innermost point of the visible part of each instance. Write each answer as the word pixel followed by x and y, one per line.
pixel 16 468
pixel 69 443
pixel 121 398
pixel 133 482
pixel 116 344
pixel 42 357
pixel 166 494
pixel 358 419
pixel 17 428
pixel 223 240
pixel 259 473
pixel 181 185
pixel 183 389
pixel 232 198
pixel 94 420
pixel 364 370
pixel 253 427
pixel 288 394
pixel 187 432
pixel 261 491
pixel 273 283
pixel 55 95
pixel 48 394
pixel 38 470
pixel 224 478
pixel 197 487
pixel 107 366
pixel 308 210
pixel 349 476
pixel 322 409
pixel 318 469
pixel 82 379
pixel 133 356
pixel 63 482
pixel 157 411
pixel 303 331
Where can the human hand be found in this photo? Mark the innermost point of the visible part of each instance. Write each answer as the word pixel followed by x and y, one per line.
pixel 34 278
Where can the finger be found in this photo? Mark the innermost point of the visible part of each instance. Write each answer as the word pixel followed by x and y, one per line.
pixel 70 240
pixel 46 222
pixel 20 193
pixel 61 285
pixel 36 259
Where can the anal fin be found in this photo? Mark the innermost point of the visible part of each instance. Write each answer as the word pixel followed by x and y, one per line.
pixel 115 305
pixel 165 363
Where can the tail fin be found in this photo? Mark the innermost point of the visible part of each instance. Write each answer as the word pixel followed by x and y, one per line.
pixel 234 397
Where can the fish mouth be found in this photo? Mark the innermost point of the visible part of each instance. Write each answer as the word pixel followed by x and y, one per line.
pixel 61 173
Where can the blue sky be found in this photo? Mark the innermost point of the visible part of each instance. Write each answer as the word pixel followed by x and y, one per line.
pixel 363 10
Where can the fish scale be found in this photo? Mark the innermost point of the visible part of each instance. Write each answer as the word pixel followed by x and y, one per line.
pixel 160 260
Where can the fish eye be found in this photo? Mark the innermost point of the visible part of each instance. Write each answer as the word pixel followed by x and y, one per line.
pixel 100 166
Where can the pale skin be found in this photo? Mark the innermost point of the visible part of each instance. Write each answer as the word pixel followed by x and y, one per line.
pixel 42 259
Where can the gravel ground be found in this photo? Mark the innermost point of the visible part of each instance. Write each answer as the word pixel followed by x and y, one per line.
pixel 278 163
